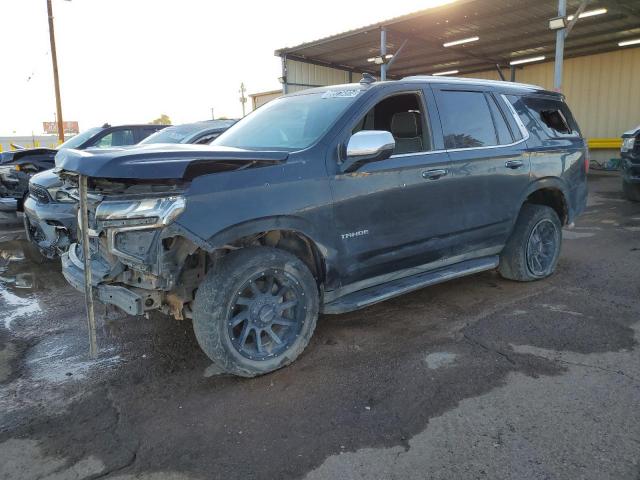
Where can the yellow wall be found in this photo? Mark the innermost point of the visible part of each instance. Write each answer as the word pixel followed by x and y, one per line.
pixel 259 99
pixel 602 90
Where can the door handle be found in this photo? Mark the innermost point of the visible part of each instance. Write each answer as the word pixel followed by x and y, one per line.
pixel 513 164
pixel 433 174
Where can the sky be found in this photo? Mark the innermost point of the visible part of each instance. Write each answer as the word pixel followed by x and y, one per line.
pixel 128 61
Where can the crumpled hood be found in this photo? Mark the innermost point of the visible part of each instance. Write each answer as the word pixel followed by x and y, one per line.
pixel 175 161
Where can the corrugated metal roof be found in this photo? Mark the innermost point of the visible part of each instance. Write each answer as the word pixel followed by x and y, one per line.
pixel 508 30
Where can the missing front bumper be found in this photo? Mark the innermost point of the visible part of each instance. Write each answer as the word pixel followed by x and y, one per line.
pixel 134 301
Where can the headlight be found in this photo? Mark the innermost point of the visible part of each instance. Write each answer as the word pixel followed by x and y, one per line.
pixel 160 211
pixel 628 144
pixel 60 195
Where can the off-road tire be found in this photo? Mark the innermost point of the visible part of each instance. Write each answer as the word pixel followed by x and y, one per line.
pixel 631 191
pixel 214 304
pixel 514 263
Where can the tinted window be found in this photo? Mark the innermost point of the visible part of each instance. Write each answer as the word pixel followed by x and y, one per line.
pixel 117 138
pixel 466 119
pixel 502 129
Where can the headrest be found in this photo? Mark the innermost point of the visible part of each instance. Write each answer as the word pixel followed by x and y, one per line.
pixel 405 125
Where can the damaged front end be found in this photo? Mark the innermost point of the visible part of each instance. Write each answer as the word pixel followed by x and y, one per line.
pixel 139 261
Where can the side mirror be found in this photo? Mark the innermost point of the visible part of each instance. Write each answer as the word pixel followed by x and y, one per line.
pixel 368 146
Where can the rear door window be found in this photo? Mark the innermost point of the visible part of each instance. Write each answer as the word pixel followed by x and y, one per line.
pixel 466 119
pixel 502 129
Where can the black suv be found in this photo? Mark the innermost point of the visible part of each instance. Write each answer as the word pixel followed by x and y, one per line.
pixel 329 200
pixel 630 153
pixel 17 167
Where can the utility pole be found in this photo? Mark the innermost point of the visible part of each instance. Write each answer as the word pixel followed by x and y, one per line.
pixel 243 98
pixel 56 81
pixel 212 115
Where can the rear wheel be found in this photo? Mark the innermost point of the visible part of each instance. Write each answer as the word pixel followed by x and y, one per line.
pixel 255 311
pixel 631 191
pixel 533 249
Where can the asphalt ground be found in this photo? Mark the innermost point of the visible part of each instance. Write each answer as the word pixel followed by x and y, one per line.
pixel 476 378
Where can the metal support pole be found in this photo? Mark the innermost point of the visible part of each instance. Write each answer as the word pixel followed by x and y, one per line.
pixel 285 85
pixel 499 70
pixel 56 81
pixel 512 77
pixel 395 56
pixel 88 288
pixel 560 34
pixel 383 53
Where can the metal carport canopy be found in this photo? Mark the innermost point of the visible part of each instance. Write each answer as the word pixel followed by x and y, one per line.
pixel 508 30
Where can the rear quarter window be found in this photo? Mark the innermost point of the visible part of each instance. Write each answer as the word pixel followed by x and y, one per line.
pixel 546 117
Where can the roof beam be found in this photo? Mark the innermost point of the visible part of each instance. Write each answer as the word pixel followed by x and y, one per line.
pixel 513 41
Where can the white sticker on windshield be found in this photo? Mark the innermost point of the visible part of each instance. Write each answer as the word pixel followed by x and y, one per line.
pixel 340 93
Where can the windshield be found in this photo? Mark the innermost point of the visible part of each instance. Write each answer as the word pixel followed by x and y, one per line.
pixel 172 134
pixel 289 123
pixel 75 142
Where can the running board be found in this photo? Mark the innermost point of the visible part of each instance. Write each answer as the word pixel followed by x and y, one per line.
pixel 394 288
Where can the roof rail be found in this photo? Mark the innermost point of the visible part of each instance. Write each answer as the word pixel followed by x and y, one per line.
pixel 470 80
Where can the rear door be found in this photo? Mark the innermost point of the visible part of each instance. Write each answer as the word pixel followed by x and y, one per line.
pixel 489 166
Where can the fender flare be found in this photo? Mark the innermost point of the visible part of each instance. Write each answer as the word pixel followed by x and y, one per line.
pixel 549 183
pixel 293 224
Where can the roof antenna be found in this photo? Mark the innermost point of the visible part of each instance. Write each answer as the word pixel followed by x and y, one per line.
pixel 367 79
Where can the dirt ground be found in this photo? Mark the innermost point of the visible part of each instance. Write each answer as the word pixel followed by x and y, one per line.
pixel 477 378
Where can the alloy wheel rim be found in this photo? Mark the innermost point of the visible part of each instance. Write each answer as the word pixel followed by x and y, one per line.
pixel 267 315
pixel 542 247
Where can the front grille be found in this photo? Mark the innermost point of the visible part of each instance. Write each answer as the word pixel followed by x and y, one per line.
pixel 39 193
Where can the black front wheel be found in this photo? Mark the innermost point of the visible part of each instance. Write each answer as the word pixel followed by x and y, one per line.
pixel 255 311
pixel 532 251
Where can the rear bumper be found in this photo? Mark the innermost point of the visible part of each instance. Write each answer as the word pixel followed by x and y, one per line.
pixel 578 198
pixel 129 299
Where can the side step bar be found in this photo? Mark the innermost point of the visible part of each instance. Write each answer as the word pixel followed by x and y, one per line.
pixel 380 293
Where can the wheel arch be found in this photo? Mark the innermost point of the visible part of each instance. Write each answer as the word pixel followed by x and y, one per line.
pixel 551 192
pixel 291 234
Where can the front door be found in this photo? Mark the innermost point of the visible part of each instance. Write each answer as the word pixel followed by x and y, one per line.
pixel 391 214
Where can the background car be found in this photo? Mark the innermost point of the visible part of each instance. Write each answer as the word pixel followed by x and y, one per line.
pixel 16 167
pixel 50 212
pixel 630 153
pixel 195 133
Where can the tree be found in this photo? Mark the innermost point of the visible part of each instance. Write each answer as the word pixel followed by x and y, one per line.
pixel 162 120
